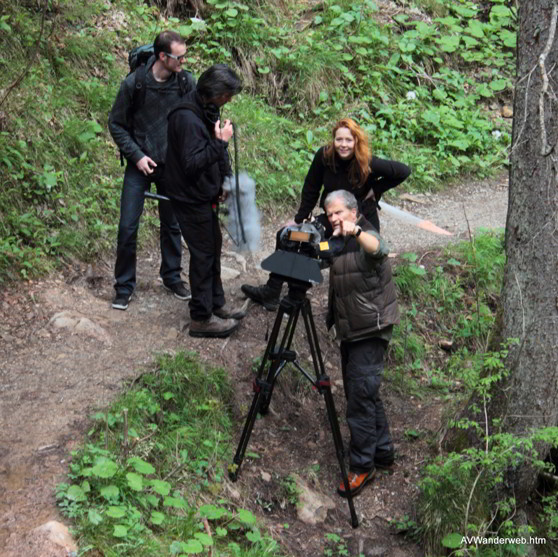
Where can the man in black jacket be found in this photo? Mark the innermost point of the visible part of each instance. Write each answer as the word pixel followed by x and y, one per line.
pixel 141 134
pixel 363 307
pixel 196 165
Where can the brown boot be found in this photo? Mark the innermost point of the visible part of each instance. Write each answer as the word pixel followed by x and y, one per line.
pixel 229 312
pixel 214 327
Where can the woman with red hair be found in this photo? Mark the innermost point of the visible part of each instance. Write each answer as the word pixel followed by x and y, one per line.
pixel 347 164
pixel 344 164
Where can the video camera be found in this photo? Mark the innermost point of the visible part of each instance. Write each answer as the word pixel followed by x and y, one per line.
pixel 301 254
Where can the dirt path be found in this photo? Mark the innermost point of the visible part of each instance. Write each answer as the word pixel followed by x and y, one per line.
pixel 52 377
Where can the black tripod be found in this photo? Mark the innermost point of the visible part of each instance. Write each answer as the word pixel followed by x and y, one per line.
pixel 278 355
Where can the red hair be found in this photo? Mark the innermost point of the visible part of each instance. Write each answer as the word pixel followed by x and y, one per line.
pixel 360 165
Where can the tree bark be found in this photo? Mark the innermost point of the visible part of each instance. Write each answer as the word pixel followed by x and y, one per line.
pixel 529 398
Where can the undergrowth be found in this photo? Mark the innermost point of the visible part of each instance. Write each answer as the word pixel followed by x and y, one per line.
pixel 448 302
pixel 422 85
pixel 149 480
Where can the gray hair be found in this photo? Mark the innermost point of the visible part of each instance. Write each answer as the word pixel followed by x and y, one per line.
pixel 348 199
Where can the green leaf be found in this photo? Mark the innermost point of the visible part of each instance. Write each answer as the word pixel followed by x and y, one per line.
pixel 254 535
pixel 75 493
pixel 94 517
pixel 110 492
pixel 212 512
pixel 140 465
pixel 246 517
pixel 105 468
pixel 161 487
pixel 135 481
pixel 453 262
pixel 449 43
pixel 116 512
pixel 231 12
pixel 501 11
pixel 498 84
pixel 157 517
pixel 452 541
pixel 221 532
pixel 204 539
pixel 475 28
pixel 176 502
pixel 192 547
pixel 120 531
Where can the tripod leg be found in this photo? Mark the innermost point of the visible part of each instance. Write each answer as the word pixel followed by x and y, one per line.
pixel 261 388
pixel 279 357
pixel 325 387
pixel 264 389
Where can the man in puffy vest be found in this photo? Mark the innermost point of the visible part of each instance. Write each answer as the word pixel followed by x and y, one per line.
pixel 141 134
pixel 363 308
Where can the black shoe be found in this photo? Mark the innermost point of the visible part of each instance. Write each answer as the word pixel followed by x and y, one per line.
pixel 121 301
pixel 262 295
pixel 179 290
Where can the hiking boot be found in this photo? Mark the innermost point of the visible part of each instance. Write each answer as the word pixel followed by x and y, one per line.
pixel 356 482
pixel 121 300
pixel 214 327
pixel 229 312
pixel 262 295
pixel 179 290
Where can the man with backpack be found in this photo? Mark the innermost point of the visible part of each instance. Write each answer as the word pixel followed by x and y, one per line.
pixel 138 125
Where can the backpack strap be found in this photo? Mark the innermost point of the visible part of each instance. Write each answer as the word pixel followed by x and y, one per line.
pixel 138 99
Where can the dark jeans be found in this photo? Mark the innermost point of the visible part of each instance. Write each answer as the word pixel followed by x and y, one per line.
pixel 131 208
pixel 362 364
pixel 200 227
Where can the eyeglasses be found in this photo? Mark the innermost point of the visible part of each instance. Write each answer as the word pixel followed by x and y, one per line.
pixel 175 57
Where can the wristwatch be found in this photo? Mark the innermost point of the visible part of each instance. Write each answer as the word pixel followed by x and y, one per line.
pixel 359 230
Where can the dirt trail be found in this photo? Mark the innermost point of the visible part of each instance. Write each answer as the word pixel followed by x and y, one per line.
pixel 52 377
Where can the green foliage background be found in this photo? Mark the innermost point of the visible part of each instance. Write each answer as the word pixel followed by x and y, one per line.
pixel 421 84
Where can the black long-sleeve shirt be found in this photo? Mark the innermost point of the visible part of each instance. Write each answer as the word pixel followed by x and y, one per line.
pixel 385 174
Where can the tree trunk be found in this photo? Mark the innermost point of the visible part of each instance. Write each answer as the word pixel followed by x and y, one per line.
pixel 529 399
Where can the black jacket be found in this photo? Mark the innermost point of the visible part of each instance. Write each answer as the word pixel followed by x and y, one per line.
pixel 197 162
pixel 144 132
pixel 322 179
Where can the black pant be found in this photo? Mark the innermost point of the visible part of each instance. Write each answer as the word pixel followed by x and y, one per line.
pixel 362 364
pixel 200 227
pixel 131 208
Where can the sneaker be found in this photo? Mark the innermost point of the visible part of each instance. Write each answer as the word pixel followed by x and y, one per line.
pixel 356 482
pixel 179 290
pixel 229 312
pixel 262 295
pixel 121 301
pixel 214 327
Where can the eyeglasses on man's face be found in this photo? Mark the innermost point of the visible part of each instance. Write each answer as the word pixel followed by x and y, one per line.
pixel 175 57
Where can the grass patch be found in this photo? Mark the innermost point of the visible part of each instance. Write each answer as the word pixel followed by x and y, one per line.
pixel 152 469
